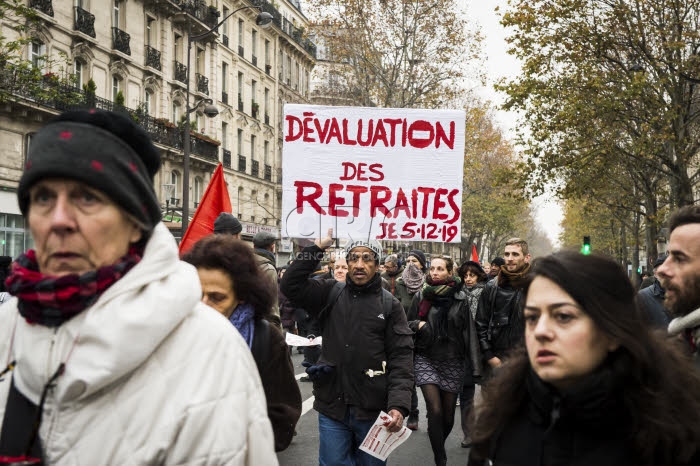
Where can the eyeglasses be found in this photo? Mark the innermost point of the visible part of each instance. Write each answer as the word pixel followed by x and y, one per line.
pixel 365 256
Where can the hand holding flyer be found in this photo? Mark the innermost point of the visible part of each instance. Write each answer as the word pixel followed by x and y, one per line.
pixel 296 340
pixel 379 442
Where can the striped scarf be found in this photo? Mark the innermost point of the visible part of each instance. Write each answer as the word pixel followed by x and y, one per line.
pixel 437 293
pixel 51 301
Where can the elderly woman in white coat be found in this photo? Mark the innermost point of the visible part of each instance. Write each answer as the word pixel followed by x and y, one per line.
pixel 109 356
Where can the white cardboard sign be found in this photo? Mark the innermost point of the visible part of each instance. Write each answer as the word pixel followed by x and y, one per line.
pixel 372 173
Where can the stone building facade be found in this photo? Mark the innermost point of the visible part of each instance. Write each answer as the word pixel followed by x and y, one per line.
pixel 135 52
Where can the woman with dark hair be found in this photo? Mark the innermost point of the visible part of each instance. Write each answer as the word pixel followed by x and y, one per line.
pixel 233 284
pixel 474 278
pixel 593 385
pixel 444 330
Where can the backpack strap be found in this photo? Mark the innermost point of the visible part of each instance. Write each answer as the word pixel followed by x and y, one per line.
pixel 261 343
pixel 333 296
pixel 387 302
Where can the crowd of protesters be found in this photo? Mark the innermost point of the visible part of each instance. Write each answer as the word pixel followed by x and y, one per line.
pixel 120 350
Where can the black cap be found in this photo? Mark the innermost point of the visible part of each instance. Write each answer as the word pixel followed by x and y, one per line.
pixel 227 223
pixel 498 261
pixel 660 260
pixel 263 239
pixel 418 254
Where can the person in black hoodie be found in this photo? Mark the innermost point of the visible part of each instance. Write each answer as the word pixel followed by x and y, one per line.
pixel 593 384
pixel 444 328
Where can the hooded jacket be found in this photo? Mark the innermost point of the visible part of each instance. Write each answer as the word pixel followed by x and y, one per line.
pixel 152 375
pixel 266 263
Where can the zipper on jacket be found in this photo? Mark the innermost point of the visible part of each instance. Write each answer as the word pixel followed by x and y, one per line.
pixel 554 415
pixel 49 407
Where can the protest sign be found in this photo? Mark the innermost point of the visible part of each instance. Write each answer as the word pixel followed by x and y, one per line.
pixel 372 173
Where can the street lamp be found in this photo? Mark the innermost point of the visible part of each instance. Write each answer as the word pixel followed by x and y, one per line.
pixel 263 20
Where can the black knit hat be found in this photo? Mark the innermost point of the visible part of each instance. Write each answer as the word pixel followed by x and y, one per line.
pixel 498 261
pixel 104 150
pixel 227 223
pixel 418 254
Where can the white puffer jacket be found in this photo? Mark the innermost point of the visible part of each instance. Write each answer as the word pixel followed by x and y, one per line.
pixel 152 376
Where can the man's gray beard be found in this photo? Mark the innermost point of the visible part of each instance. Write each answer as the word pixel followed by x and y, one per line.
pixel 688 299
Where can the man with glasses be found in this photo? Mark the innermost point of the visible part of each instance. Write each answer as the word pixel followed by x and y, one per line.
pixel 392 272
pixel 366 363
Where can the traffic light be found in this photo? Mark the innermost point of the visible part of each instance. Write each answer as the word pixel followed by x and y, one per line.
pixel 586 249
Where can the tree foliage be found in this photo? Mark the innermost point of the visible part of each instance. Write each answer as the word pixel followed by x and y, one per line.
pixel 609 83
pixel 397 53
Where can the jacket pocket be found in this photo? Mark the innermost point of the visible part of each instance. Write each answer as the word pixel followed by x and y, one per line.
pixel 326 388
pixel 424 337
pixel 374 392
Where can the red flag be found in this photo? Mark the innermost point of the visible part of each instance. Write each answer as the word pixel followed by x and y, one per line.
pixel 475 256
pixel 214 201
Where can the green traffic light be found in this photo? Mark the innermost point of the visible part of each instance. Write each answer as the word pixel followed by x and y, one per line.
pixel 586 249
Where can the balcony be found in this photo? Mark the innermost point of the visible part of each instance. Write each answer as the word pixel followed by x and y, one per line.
pixel 268 173
pixel 203 148
pixel 241 51
pixel 180 72
pixel 224 40
pixel 202 83
pixel 254 60
pixel 255 168
pixel 240 103
pixel 44 6
pixel 199 9
pixel 120 41
pixel 241 163
pixel 153 58
pixel 226 158
pixel 84 21
pixel 294 33
pixel 224 97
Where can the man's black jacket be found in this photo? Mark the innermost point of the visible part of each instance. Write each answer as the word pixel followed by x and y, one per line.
pixel 357 336
pixel 502 320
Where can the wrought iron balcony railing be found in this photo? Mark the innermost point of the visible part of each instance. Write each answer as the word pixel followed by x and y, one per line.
pixel 153 58
pixel 202 84
pixel 199 9
pixel 224 40
pixel 241 163
pixel 224 97
pixel 84 21
pixel 268 173
pixel 120 41
pixel 241 51
pixel 255 168
pixel 180 72
pixel 44 6
pixel 226 158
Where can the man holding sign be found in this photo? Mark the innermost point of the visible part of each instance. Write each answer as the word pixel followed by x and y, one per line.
pixel 366 363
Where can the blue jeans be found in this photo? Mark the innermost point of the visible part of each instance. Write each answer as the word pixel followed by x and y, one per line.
pixel 340 441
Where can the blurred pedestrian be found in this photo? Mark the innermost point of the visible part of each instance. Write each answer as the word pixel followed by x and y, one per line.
pixel 234 285
pixel 680 277
pixel 593 385
pixel 112 358
pixel 651 300
pixel 496 265
pixel 264 248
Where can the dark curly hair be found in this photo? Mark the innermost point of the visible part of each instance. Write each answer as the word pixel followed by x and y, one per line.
pixel 660 381
pixel 237 260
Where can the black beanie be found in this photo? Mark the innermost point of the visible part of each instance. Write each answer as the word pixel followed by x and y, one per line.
pixel 227 223
pixel 104 150
pixel 420 255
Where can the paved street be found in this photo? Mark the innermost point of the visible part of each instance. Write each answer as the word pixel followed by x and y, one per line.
pixel 416 451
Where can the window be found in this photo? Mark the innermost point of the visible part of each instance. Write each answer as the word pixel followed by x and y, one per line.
pixel 254 45
pixel 116 87
pixel 14 239
pixel 266 102
pixel 176 112
pixel 266 153
pixel 224 27
pixel 37 54
pixel 253 88
pixel 150 31
pixel 175 180
pixel 240 33
pixel 239 142
pixel 177 47
pixel 252 147
pixel 267 52
pixel 116 14
pixel 224 135
pixel 147 98
pixel 199 61
pixel 198 185
pixel 224 77
pixel 78 72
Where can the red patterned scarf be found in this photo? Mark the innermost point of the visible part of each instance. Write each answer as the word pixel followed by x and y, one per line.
pixel 50 301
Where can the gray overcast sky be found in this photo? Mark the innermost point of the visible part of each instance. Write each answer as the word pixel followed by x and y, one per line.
pixel 499 64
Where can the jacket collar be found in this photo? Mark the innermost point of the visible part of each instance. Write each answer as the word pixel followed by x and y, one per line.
pixel 117 334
